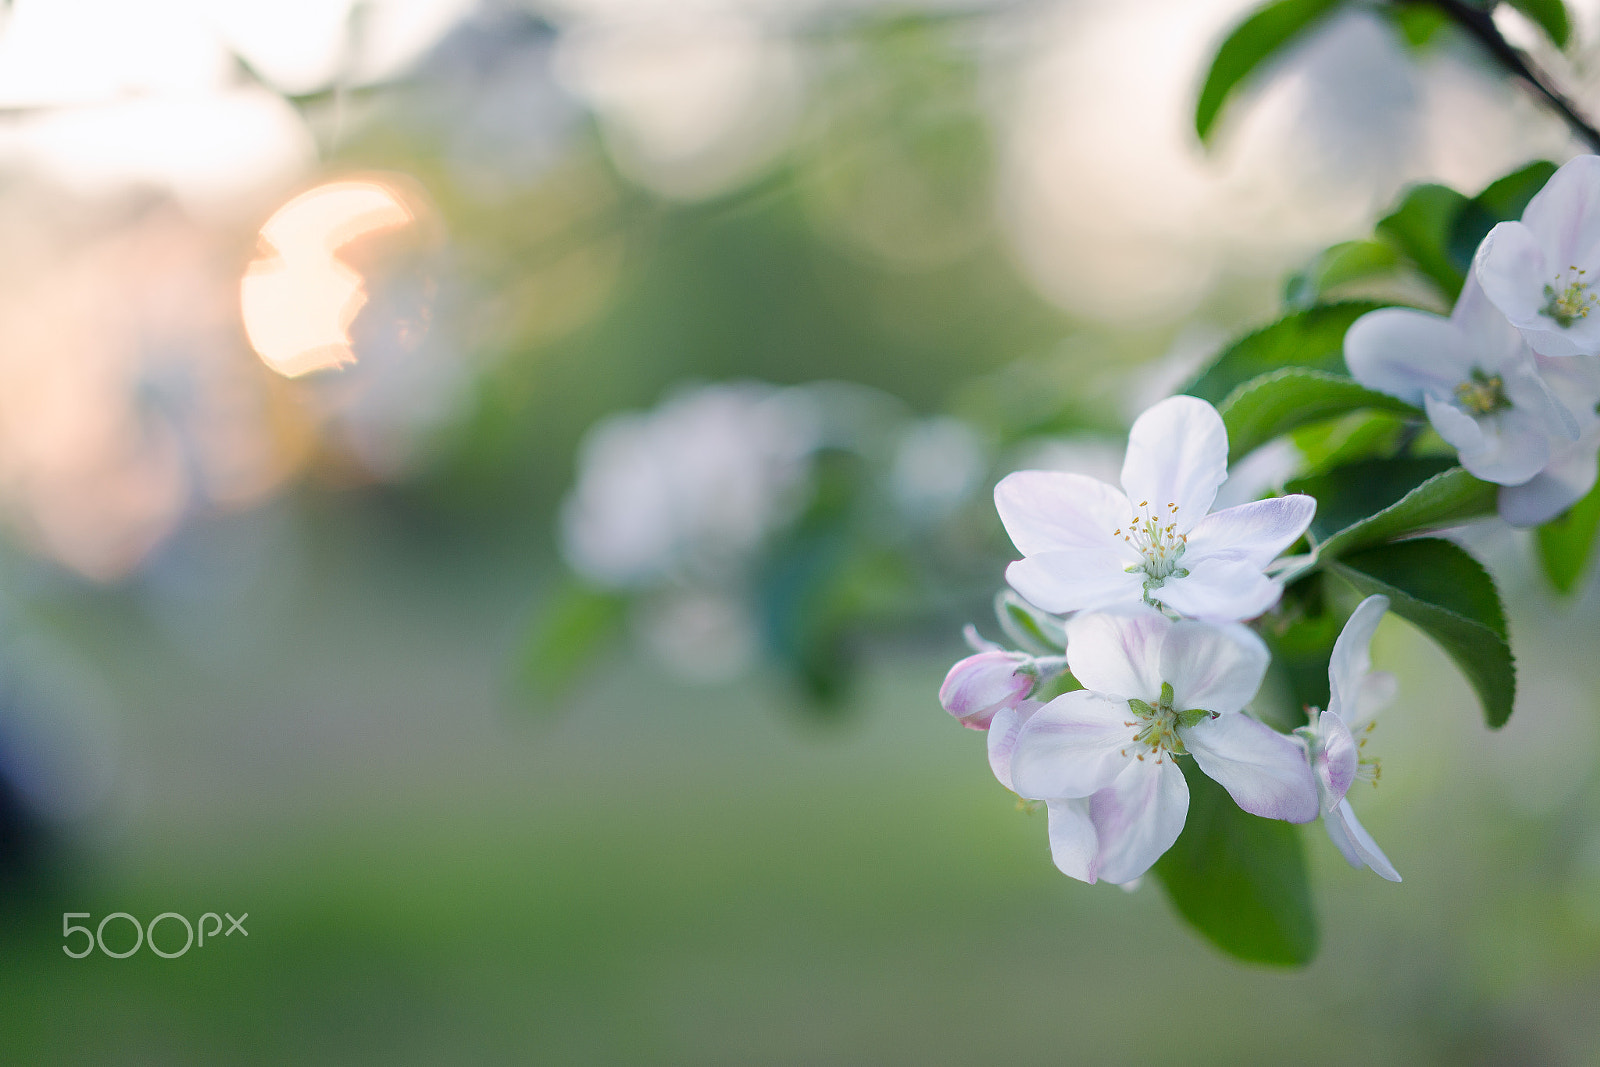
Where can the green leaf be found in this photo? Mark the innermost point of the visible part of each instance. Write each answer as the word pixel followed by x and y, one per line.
pixel 1505 198
pixel 1448 595
pixel 1250 44
pixel 1549 15
pixel 1421 227
pixel 1275 403
pixel 1311 338
pixel 1446 499
pixel 567 633
pixel 1350 494
pixel 1357 436
pixel 1031 629
pixel 1417 23
pixel 1502 201
pixel 1350 261
pixel 1240 880
pixel 1566 542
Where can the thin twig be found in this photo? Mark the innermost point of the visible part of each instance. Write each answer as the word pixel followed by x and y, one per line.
pixel 1479 23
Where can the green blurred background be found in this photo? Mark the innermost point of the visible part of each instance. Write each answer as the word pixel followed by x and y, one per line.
pixel 326 649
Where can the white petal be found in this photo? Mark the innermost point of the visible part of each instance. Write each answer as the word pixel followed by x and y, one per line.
pixel 1072 746
pixel 1177 454
pixel 1213 666
pixel 1357 845
pixel 1118 653
pixel 1138 818
pixel 981 684
pixel 1490 342
pixel 1351 660
pixel 1334 759
pixel 1406 354
pixel 1562 483
pixel 1515 447
pixel 1377 692
pixel 1059 582
pixel 1565 215
pixel 1254 533
pixel 1221 590
pixel 1510 265
pixel 1045 511
pixel 1073 843
pixel 1459 429
pixel 1264 771
pixel 1004 729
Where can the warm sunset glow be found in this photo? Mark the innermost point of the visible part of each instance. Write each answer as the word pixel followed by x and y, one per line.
pixel 299 299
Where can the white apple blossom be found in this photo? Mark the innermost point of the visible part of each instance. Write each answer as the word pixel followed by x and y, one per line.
pixel 1473 374
pixel 1570 472
pixel 1540 272
pixel 1087 546
pixel 1103 758
pixel 1336 736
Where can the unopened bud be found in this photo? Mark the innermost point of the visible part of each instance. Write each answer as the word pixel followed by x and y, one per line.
pixel 979 686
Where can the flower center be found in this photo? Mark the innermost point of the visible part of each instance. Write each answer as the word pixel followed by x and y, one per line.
pixel 1156 538
pixel 1482 394
pixel 1569 298
pixel 1155 726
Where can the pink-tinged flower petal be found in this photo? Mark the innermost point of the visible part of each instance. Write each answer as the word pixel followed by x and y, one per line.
pixel 1004 729
pixel 1177 454
pixel 1264 771
pixel 1565 214
pixel 1138 817
pixel 1333 759
pixel 1406 354
pixel 1117 653
pixel 1060 582
pixel 1351 663
pixel 1072 746
pixel 1253 533
pixel 1507 447
pixel 980 685
pixel 1213 666
pixel 1221 590
pixel 1047 511
pixel 1566 478
pixel 1352 839
pixel 1073 843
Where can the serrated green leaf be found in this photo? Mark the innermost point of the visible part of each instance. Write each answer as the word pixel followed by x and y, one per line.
pixel 1351 494
pixel 1567 542
pixel 1251 43
pixel 567 633
pixel 1311 338
pixel 1439 588
pixel 1349 261
pixel 1277 402
pixel 1421 228
pixel 1446 499
pixel 1240 880
pixel 1358 436
pixel 1550 16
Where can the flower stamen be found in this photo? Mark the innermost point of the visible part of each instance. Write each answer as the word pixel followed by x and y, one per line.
pixel 1159 544
pixel 1483 394
pixel 1569 298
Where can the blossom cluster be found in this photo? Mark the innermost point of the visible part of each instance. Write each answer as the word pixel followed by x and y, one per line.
pixel 1155 588
pixel 1511 378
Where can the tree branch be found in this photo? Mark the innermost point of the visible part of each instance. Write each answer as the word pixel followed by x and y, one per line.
pixel 1478 22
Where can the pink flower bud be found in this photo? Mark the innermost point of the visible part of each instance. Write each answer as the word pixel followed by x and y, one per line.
pixel 979 686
